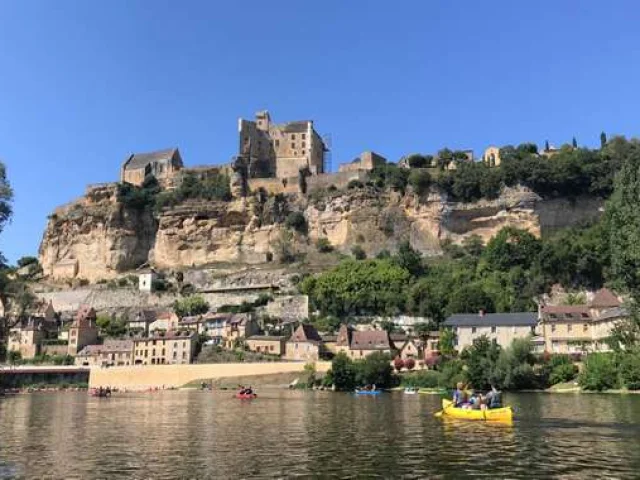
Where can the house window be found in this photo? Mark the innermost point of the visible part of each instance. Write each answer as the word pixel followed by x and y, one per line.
pixel 293 145
pixel 473 329
pixel 184 344
pixel 293 136
pixel 304 135
pixel 569 327
pixel 304 144
pixel 553 328
pixel 175 355
pixel 585 327
pixel 493 329
pixel 277 143
pixel 184 355
pixel 163 352
pixel 303 152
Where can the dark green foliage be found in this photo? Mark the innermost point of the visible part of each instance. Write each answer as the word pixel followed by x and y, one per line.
pixel 323 245
pixel 599 372
pixel 24 261
pixel 452 372
pixel 574 142
pixel 623 219
pixel 354 184
pixel 471 182
pixel 409 259
pixel 139 198
pixel 296 221
pixel 390 176
pixel 511 248
pixel 6 197
pixel 189 306
pixel 110 326
pixel 420 181
pixel 368 287
pixel 419 161
pixel 603 139
pixel 342 373
pixel 192 187
pixel 480 359
pixel 563 373
pixel 630 370
pixel 358 252
pixel 423 379
pixel 376 370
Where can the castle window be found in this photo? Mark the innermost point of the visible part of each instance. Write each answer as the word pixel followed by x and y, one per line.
pixel 293 145
pixel 303 152
pixel 293 136
pixel 304 135
pixel 304 144
pixel 277 142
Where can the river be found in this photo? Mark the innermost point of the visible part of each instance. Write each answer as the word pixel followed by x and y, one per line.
pixel 193 434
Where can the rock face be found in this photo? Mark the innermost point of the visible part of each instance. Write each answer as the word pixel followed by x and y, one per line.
pixel 100 238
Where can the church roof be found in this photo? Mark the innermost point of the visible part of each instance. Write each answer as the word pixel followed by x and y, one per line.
pixel 141 160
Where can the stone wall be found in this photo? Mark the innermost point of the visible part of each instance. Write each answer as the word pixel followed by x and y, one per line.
pixel 173 376
pixel 339 180
pixel 288 307
pixel 275 186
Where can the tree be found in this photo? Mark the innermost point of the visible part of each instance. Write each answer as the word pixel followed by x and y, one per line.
pixel 409 259
pixel 599 372
pixel 447 342
pixel 24 261
pixel 284 247
pixel 323 245
pixel 368 287
pixel 480 359
pixel 297 222
pixel 190 306
pixel 110 326
pixel 420 181
pixel 342 373
pixel 358 252
pixel 623 219
pixel 6 198
pixel 546 146
pixel 511 247
pixel 574 142
pixel 603 139
pixel 375 369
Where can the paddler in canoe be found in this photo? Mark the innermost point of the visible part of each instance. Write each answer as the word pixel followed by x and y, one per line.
pixel 476 407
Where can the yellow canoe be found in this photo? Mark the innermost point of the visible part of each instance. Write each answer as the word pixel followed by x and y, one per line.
pixel 504 414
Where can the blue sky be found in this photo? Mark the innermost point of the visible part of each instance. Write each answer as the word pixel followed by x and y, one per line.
pixel 84 83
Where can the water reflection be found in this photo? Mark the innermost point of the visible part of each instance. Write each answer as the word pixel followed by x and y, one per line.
pixel 282 433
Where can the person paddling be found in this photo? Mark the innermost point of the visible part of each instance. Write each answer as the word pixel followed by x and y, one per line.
pixel 459 395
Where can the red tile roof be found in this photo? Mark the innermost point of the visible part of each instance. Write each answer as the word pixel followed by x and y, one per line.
pixel 370 340
pixel 604 298
pixel 306 333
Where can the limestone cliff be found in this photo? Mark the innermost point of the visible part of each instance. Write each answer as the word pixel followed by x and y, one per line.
pixel 100 238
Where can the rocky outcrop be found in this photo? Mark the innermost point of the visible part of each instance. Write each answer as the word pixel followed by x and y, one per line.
pixel 98 238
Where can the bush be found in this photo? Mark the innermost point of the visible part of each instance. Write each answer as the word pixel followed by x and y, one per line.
pixel 452 372
pixel 420 181
pixel 409 363
pixel 630 371
pixel 563 373
pixel 423 379
pixel 358 252
pixel 353 184
pixel 297 222
pixel 599 372
pixel 323 245
pixel 192 305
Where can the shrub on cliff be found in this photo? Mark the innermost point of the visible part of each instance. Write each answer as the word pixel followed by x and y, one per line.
pixel 420 181
pixel 191 305
pixel 296 221
pixel 323 245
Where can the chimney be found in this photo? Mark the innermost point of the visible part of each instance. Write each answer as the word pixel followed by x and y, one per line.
pixel 481 313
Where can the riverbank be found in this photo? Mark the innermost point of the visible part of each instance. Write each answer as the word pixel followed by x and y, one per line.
pixel 175 376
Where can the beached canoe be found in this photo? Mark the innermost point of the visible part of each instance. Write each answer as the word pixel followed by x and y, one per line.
pixel 368 392
pixel 504 414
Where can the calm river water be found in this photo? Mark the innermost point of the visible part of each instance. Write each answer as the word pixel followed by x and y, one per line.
pixel 312 434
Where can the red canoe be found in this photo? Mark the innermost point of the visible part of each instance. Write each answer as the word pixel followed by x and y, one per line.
pixel 246 396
